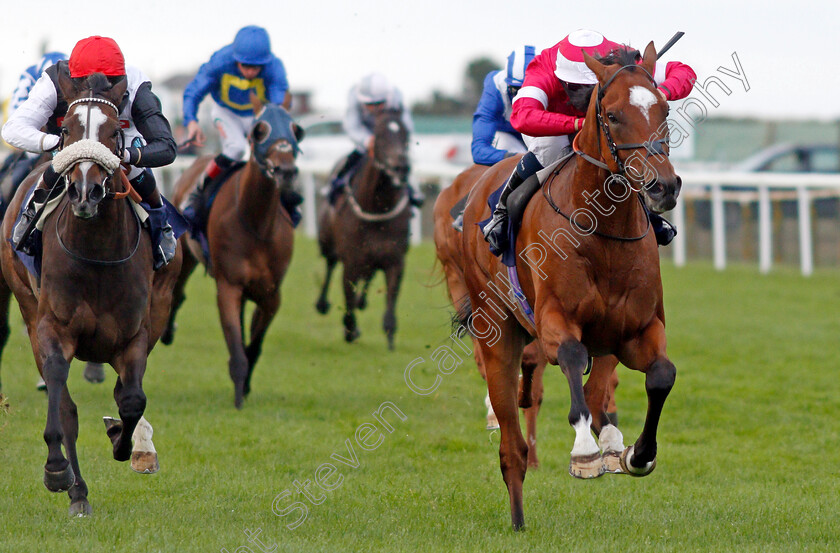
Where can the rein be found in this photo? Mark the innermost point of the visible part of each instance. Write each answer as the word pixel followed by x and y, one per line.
pixel 97 262
pixel 376 217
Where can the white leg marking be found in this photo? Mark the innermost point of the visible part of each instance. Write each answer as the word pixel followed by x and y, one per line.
pixel 611 440
pixel 642 98
pixel 143 437
pixel 584 441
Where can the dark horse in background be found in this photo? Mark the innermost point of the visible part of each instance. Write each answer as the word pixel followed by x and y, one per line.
pixel 367 228
pixel 593 282
pixel 250 237
pixel 98 298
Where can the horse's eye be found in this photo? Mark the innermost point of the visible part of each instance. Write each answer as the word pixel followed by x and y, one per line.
pixel 65 131
pixel 612 118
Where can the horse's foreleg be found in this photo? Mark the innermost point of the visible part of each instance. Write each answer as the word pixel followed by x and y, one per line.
pixel 263 315
pixel 322 306
pixel 229 298
pixel 78 492
pixel 178 296
pixel 55 363
pixel 647 354
pixel 351 331
pixel 131 401
pixel 393 278
pixel 597 391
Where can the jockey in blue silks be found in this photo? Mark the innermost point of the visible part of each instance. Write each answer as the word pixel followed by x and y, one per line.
pixel 493 137
pixel 232 74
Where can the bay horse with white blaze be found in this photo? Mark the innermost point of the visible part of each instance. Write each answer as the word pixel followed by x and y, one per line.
pixel 595 288
pixel 367 228
pixel 250 236
pixel 98 298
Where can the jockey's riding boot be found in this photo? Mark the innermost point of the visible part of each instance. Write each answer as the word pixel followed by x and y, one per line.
pixel 24 227
pixel 163 239
pixel 495 231
pixel 662 229
pixel 458 223
pixel 196 211
pixel 343 175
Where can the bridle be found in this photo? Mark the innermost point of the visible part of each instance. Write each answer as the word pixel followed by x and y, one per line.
pixel 653 146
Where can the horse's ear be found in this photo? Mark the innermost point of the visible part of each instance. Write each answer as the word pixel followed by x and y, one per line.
pixel 67 85
pixel 596 66
pixel 260 132
pixel 649 58
pixel 117 91
pixel 298 131
pixel 255 101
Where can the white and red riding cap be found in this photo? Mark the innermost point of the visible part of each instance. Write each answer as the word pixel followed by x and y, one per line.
pixel 570 65
pixel 96 54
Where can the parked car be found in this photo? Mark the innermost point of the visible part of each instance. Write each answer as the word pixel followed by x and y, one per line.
pixel 794 158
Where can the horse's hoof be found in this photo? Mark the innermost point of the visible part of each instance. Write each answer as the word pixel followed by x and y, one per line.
pixel 612 462
pixel 492 422
pixel 144 462
pixel 586 466
pixel 361 303
pixel 41 386
pixel 351 336
pixel 60 481
pixel 627 466
pixel 322 307
pixel 80 508
pixel 168 335
pixel 95 373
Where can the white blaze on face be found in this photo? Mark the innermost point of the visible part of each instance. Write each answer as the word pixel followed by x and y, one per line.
pixel 642 98
pixel 97 119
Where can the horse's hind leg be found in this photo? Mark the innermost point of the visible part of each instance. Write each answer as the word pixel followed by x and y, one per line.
pixel 229 298
pixel 94 372
pixel 263 315
pixel 361 302
pixel 393 278
pixel 531 396
pixel 78 492
pixel 178 296
pixel 323 305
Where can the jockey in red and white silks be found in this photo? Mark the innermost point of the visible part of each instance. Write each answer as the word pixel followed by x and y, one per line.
pixel 547 116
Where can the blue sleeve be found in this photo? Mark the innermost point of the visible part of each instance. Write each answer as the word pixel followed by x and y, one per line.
pixel 277 84
pixel 487 115
pixel 208 76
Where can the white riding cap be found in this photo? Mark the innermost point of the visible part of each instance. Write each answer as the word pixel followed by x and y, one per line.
pixel 373 89
pixel 570 65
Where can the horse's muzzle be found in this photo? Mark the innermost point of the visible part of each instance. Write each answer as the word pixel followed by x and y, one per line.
pixel 661 194
pixel 85 197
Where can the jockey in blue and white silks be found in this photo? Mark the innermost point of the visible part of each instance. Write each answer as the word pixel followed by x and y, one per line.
pixel 32 74
pixel 493 137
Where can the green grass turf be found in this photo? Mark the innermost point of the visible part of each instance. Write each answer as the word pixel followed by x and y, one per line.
pixel 748 439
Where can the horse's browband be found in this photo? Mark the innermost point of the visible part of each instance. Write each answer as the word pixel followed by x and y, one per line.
pixel 95 100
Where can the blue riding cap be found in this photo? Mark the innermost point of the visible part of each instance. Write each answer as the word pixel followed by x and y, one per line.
pixel 517 62
pixel 281 127
pixel 252 46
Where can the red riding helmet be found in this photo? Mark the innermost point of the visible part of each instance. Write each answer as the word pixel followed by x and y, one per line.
pixel 96 54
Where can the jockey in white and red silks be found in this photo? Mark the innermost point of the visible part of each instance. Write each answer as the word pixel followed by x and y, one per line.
pixel 551 105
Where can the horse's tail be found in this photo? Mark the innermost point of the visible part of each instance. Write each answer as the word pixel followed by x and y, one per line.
pixel 461 317
pixel 436 274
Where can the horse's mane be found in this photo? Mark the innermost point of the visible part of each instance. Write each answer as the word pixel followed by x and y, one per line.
pixel 579 95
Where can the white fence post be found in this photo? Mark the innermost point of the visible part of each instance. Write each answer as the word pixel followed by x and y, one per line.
pixel 310 223
pixel 718 228
pixel 806 258
pixel 765 230
pixel 679 240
